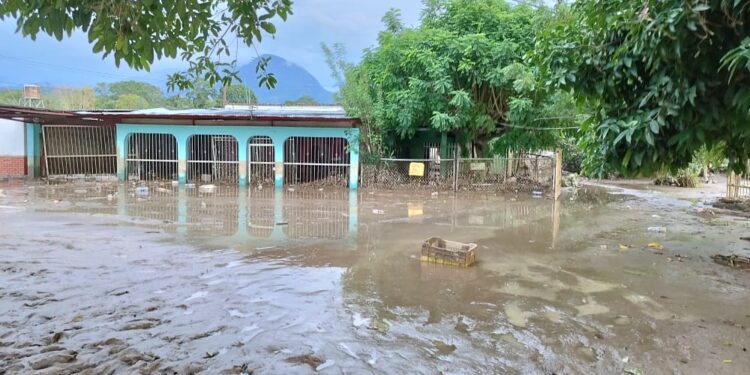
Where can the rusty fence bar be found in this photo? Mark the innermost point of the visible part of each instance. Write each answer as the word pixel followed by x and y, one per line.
pixel 316 161
pixel 78 151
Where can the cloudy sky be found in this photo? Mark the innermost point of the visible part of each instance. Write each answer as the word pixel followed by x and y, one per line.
pixel 355 23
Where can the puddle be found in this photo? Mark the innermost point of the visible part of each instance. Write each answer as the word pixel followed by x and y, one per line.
pixel 317 280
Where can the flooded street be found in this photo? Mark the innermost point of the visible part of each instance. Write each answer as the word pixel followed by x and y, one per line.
pixel 97 279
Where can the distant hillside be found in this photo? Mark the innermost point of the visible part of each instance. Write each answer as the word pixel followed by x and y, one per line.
pixel 293 82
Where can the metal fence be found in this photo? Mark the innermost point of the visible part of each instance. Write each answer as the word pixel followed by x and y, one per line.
pixel 73 151
pixel 738 186
pixel 213 158
pixel 261 161
pixel 533 171
pixel 151 157
pixel 316 161
pixel 393 173
pixel 530 171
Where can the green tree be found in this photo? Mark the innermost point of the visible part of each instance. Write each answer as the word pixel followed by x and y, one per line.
pixel 131 101
pixel 462 71
pixel 203 95
pixel 10 96
pixel 69 98
pixel 240 94
pixel 139 32
pixel 666 78
pixel 178 102
pixel 302 100
pixel 108 94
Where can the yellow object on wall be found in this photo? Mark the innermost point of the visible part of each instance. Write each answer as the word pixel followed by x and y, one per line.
pixel 416 169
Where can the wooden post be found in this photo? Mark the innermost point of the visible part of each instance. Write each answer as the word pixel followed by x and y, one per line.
pixel 558 174
pixel 729 184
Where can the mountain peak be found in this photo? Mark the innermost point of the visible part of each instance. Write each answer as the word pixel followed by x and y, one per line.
pixel 293 82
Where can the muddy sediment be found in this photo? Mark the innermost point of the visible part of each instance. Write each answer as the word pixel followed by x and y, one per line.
pixel 193 283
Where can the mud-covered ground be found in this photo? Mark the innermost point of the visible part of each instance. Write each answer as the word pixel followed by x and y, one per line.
pixel 94 279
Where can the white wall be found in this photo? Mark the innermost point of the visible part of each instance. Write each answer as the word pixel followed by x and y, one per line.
pixel 12 138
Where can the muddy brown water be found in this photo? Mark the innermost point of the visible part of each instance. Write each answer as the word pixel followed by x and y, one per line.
pixel 96 279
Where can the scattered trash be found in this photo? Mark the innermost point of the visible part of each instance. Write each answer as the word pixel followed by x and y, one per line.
pixel 655 216
pixel 210 355
pixel 705 212
pixel 56 337
pixel 378 212
pixel 434 194
pixel 203 205
pixel 656 246
pixel 734 261
pixel 444 348
pixel 325 365
pixel 379 325
pixel 206 178
pixel 632 370
pixel 308 359
pixel 110 197
pixel 677 257
pixel 175 183
pixel 536 194
pixel 603 247
pixel 626 360
pixel 141 190
pixel 207 189
pixel 189 186
pixel 163 190
pixel 348 351
pixel 290 189
pixel 727 361
pixel 282 223
pixel 80 191
pixel 358 320
pixel 440 251
pixel 624 247
pixel 657 229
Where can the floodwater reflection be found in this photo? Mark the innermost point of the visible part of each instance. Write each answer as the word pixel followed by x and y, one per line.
pixel 338 271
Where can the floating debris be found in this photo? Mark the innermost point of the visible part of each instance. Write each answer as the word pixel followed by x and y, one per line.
pixel 452 253
pixel 734 261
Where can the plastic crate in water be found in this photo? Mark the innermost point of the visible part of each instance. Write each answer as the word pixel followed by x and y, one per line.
pixel 440 251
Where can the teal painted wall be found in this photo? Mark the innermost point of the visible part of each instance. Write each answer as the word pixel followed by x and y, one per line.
pixel 34 149
pixel 278 134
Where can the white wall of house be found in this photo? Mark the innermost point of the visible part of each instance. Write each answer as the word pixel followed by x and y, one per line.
pixel 12 138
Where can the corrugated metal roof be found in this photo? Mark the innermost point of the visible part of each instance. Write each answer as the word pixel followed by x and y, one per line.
pixel 234 113
pixel 242 111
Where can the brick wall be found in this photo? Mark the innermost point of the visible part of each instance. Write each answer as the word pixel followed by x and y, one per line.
pixel 12 165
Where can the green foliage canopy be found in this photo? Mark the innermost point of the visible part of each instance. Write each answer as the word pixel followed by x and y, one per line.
pixel 109 94
pixel 666 78
pixel 139 32
pixel 240 94
pixel 462 71
pixel 302 100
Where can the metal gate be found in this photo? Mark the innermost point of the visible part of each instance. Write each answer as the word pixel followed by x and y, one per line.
pixel 78 151
pixel 261 161
pixel 151 157
pixel 212 158
pixel 316 160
